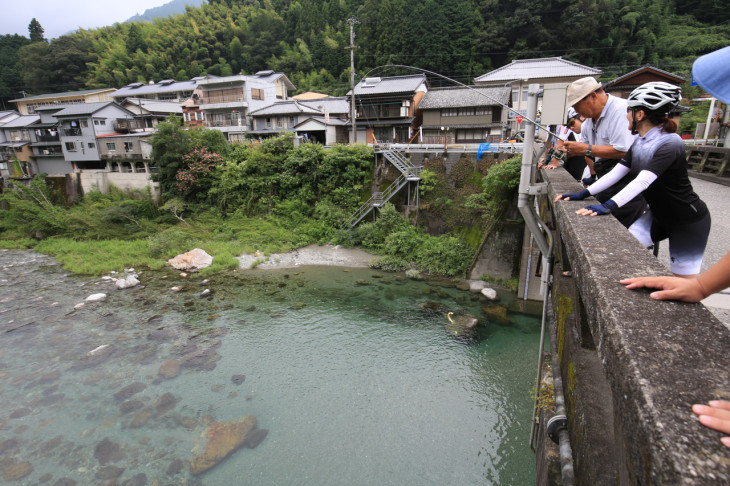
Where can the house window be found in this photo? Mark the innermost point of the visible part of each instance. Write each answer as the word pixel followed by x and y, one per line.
pixel 92 145
pixel 484 110
pixel 99 122
pixel 84 124
pixel 473 135
pixel 186 116
pixel 128 146
pixel 111 146
pixel 71 146
pixel 449 112
pixel 279 122
pixel 468 111
pixel 268 122
pixel 257 94
pixel 291 122
pixel 199 115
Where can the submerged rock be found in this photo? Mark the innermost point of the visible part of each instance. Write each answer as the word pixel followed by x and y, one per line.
pixel 17 470
pixel 169 369
pixel 192 260
pixel 255 437
pixel 107 451
pixel 497 313
pixel 223 439
pixel 238 379
pixel 125 283
pixel 129 390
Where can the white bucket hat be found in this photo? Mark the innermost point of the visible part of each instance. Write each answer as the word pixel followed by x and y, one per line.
pixel 580 88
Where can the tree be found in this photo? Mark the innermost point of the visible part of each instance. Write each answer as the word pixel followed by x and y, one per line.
pixel 36 31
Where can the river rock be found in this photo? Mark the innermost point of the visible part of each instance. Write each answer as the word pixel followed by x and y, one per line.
pixel 490 294
pixel 166 403
pixel 496 313
pixel 109 472
pixel 94 357
pixel 169 369
pixel 96 297
pixel 477 286
pixel 223 439
pixel 15 471
pixel 125 283
pixel 107 451
pixel 129 390
pixel 255 437
pixel 192 260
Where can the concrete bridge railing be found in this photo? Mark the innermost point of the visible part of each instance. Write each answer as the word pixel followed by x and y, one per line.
pixel 631 366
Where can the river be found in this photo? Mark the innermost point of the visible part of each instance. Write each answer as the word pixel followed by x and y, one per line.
pixel 356 375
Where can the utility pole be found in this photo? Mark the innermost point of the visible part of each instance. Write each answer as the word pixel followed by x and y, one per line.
pixel 352 21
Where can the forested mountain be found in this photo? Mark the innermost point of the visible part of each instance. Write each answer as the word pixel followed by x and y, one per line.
pixel 306 39
pixel 170 8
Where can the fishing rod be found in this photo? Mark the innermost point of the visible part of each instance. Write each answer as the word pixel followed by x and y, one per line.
pixel 426 71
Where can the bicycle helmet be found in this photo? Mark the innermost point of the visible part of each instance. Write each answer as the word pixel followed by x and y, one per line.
pixel 571 114
pixel 655 96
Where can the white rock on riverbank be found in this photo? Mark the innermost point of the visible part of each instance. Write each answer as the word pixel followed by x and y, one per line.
pixel 310 255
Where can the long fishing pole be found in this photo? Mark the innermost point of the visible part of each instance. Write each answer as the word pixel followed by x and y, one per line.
pixel 426 71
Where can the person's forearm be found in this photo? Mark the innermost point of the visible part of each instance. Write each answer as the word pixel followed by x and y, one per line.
pixel 607 152
pixel 717 277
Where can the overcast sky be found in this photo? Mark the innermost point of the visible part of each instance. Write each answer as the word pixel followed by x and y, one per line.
pixel 58 17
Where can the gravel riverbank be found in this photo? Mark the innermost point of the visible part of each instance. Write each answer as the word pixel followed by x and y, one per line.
pixel 310 255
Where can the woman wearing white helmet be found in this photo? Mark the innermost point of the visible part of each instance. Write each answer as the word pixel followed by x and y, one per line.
pixel 658 164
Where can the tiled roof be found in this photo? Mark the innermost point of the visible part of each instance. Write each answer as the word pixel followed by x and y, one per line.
pixel 82 108
pixel 21 121
pixel 68 94
pixel 548 67
pixel 391 85
pixel 464 96
pixel 646 67
pixel 271 77
pixel 136 90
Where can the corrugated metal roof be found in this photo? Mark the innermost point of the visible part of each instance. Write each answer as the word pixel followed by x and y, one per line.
pixel 22 121
pixel 63 95
pixel 548 67
pixel 84 108
pixel 133 90
pixel 391 85
pixel 154 106
pixel 331 105
pixel 458 97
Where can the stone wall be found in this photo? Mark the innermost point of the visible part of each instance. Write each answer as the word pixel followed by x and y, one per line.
pixel 631 366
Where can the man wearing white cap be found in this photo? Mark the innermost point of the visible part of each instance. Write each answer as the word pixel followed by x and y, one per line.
pixel 604 139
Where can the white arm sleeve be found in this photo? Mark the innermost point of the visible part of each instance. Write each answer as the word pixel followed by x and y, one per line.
pixel 609 179
pixel 635 187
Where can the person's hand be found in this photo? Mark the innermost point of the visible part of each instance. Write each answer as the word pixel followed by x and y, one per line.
pixel 551 166
pixel 672 288
pixel 715 415
pixel 575 148
pixel 598 209
pixel 574 196
pixel 589 180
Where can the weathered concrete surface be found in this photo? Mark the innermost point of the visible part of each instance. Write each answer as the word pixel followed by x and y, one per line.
pixel 658 358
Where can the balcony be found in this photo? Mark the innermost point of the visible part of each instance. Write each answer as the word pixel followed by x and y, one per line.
pixel 71 132
pixel 47 137
pixel 124 125
pixel 211 100
pixel 220 120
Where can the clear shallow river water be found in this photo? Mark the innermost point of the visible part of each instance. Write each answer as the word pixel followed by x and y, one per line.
pixel 357 380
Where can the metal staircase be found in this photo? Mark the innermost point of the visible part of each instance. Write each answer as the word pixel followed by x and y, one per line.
pixel 409 173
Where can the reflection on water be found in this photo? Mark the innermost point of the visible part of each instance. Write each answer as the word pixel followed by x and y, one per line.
pixel 356 376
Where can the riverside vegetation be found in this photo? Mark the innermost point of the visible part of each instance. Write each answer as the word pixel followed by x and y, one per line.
pixel 234 199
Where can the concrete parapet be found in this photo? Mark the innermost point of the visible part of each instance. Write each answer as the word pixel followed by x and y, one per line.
pixel 632 366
